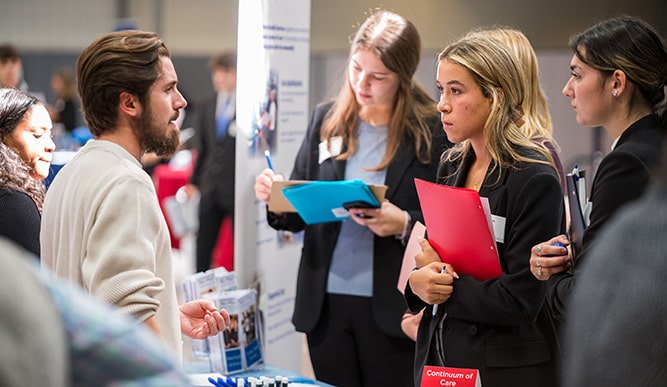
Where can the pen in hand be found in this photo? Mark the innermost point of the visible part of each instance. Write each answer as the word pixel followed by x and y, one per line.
pixel 267 154
pixel 435 307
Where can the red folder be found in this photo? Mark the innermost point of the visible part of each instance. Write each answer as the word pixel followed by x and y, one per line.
pixel 458 229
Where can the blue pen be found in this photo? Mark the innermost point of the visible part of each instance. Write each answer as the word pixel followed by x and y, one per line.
pixel 217 383
pixel 229 381
pixel 435 307
pixel 267 154
pixel 556 244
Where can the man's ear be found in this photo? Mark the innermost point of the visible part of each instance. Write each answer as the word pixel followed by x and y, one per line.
pixel 129 104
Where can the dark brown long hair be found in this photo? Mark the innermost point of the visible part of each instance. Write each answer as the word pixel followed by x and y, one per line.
pixel 15 174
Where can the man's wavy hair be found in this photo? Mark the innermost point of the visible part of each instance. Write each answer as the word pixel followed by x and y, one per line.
pixel 122 61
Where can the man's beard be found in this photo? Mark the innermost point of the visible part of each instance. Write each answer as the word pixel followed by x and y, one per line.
pixel 153 139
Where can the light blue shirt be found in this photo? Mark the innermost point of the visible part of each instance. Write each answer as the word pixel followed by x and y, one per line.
pixel 351 271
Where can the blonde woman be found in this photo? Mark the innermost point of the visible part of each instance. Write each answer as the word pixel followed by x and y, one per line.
pixel 535 123
pixel 497 326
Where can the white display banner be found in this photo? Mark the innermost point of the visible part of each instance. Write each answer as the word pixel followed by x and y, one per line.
pixel 272 113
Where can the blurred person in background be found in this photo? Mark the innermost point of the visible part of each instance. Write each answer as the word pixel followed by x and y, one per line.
pixel 11 68
pixel 214 171
pixel 65 107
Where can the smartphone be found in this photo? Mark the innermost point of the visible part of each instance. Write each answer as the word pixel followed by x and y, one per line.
pixel 358 204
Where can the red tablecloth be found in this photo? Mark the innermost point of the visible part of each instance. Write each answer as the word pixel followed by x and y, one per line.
pixel 223 254
pixel 167 181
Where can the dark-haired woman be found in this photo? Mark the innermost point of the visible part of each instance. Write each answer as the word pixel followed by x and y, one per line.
pixel 26 149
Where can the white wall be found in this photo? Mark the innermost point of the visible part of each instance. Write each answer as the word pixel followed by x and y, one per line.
pixel 203 27
pixel 58 25
pixel 207 26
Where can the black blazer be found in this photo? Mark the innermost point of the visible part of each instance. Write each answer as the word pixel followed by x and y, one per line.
pixel 216 159
pixel 622 177
pixel 20 219
pixel 498 326
pixel 320 239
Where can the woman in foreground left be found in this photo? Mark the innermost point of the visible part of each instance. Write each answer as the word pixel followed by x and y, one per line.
pixel 26 148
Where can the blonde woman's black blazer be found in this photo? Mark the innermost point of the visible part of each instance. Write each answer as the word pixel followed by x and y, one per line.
pixel 499 325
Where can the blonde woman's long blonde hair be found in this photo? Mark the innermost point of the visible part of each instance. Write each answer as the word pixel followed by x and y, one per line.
pixel 397 44
pixel 537 117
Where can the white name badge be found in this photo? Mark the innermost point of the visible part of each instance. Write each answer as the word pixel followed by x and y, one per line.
pixel 498 228
pixel 326 153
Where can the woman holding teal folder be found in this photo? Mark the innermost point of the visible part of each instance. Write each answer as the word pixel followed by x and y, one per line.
pixel 383 129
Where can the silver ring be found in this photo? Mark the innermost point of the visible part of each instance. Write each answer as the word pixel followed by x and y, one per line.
pixel 538 250
pixel 539 272
pixel 538 263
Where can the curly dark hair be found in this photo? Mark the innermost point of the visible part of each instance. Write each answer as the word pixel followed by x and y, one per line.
pixel 15 174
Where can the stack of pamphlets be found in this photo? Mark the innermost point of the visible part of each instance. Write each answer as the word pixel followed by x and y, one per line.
pixel 239 348
pixel 196 286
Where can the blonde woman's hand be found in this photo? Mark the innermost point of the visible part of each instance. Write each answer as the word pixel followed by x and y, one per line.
pixel 432 285
pixel 427 255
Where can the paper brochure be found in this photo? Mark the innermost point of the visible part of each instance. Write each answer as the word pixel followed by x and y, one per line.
pixel 199 284
pixel 412 248
pixel 239 347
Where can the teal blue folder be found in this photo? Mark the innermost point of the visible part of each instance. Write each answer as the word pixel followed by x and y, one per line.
pixel 325 201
